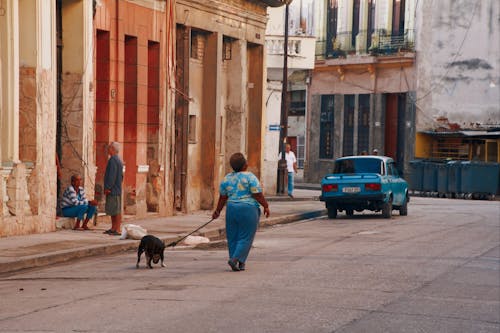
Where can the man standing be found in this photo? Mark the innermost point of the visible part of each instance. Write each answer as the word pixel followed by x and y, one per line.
pixel 291 166
pixel 113 179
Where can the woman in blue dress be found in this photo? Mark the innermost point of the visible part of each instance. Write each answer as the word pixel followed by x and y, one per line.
pixel 242 192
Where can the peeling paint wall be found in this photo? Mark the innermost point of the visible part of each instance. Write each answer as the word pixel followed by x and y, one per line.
pixel 219 91
pixel 27 114
pixel 458 64
pixel 27 172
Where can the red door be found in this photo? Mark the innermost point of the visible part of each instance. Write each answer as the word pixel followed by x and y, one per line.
pixel 391 126
pixel 292 140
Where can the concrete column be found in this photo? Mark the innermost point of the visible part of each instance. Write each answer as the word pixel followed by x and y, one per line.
pixel 88 152
pixel 361 38
pixel 9 37
pixel 410 6
pixel 46 78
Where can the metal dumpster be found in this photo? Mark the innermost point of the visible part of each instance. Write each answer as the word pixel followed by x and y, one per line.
pixel 480 178
pixel 442 178
pixel 430 177
pixel 416 175
pixel 454 177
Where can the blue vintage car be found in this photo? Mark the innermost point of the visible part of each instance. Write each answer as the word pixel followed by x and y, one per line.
pixel 365 182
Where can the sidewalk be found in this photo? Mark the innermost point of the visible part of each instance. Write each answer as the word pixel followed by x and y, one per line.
pixel 21 252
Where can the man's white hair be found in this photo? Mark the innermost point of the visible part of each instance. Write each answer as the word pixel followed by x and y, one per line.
pixel 116 146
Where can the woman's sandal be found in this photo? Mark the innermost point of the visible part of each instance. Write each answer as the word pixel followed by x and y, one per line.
pixel 232 263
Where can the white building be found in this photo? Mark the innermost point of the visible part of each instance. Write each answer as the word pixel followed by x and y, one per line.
pixel 301 49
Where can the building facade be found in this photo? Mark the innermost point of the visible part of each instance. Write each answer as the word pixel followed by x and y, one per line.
pixel 178 83
pixel 458 80
pixel 220 76
pixel 28 77
pixel 362 90
pixel 301 45
pixel 133 47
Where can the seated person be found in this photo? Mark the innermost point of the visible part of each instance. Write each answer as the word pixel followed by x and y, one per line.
pixel 75 204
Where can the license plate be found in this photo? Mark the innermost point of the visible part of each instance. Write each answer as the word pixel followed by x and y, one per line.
pixel 351 190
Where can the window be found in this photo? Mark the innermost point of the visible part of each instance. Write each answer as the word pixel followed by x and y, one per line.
pixel 331 29
pixel 358 165
pixel 398 17
pixel 297 103
pixel 227 48
pixel 192 128
pixel 198 43
pixel 326 126
pixel 301 141
pixel 355 22
pixel 363 123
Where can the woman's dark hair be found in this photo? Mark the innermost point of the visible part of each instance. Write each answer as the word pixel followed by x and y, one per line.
pixel 237 162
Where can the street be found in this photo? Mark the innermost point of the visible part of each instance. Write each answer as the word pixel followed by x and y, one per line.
pixel 435 270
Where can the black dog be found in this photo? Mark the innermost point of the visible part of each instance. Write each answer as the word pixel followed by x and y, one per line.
pixel 153 247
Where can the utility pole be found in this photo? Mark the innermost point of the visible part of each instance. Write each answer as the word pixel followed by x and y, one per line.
pixel 282 170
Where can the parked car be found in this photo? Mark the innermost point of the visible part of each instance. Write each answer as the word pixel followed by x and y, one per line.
pixel 365 182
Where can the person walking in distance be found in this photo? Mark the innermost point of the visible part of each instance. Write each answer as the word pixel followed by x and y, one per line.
pixel 242 192
pixel 291 166
pixel 113 179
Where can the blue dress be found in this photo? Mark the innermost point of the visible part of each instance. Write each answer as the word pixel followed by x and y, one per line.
pixel 242 212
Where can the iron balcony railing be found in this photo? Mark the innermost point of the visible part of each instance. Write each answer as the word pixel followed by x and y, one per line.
pixel 383 43
pixel 377 43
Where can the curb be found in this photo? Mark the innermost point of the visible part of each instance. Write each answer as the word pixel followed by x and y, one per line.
pixel 127 245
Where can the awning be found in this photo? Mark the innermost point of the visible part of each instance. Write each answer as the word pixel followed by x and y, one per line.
pixel 489 134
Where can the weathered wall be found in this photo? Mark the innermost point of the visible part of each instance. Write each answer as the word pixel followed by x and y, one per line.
pixel 136 106
pixel 271 153
pixel 27 175
pixel 27 114
pixel 361 81
pixel 219 91
pixel 195 162
pixel 458 63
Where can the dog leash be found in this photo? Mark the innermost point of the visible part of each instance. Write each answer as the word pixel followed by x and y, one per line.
pixel 192 232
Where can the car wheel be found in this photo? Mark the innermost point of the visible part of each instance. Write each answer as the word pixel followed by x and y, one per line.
pixel 349 212
pixel 387 209
pixel 403 210
pixel 332 212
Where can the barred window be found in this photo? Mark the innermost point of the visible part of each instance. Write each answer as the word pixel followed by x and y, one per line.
pixel 326 126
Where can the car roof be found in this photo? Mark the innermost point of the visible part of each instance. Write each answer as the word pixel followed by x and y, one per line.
pixel 382 158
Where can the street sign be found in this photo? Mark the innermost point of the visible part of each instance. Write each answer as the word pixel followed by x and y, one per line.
pixel 274 127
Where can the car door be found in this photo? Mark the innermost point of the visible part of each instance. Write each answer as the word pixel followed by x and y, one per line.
pixel 397 184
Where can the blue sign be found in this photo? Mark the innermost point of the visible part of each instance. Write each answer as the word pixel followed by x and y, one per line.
pixel 274 127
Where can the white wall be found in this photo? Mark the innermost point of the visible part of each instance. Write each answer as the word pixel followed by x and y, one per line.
pixel 458 63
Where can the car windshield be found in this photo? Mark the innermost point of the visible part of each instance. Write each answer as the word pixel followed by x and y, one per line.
pixel 358 165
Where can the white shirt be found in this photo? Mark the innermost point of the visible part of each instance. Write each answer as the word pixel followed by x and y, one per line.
pixel 290 161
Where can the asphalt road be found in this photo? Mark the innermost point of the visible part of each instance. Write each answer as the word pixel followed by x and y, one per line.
pixel 436 270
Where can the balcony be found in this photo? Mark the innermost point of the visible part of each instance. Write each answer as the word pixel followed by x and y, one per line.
pixel 380 43
pixel 301 51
